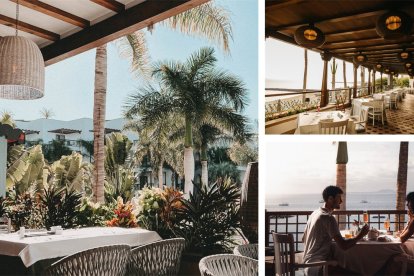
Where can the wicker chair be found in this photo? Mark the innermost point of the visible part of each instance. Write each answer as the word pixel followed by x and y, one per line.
pixel 157 258
pixel 247 250
pixel 5 225
pixel 228 265
pixel 107 261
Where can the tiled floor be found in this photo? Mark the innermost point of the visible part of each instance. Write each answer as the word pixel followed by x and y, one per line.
pixel 400 121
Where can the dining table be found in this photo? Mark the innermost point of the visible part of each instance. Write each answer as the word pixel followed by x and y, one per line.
pixel 368 257
pixel 308 123
pixel 37 246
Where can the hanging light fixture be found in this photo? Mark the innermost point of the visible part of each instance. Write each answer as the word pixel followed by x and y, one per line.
pixel 360 58
pixel 408 64
pixel 394 25
pixel 386 70
pixel 404 56
pixel 22 69
pixel 378 66
pixel 309 36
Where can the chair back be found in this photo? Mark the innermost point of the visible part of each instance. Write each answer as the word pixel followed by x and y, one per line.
pixel 339 127
pixel 157 258
pixel 284 254
pixel 228 265
pixel 339 102
pixel 393 97
pixel 247 250
pixel 106 261
pixel 5 225
pixel 378 106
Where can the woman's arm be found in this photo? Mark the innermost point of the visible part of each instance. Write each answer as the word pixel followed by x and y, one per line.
pixel 408 231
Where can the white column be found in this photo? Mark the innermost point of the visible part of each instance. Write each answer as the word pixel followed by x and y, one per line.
pixel 3 165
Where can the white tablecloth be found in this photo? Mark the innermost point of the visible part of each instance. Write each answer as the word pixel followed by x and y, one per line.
pixel 368 257
pixel 309 123
pixel 33 249
pixel 360 104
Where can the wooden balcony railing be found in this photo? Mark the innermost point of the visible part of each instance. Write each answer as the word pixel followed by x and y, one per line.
pixel 295 221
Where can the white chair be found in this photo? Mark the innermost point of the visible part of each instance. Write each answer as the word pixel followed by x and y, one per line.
pixel 360 121
pixel 287 262
pixel 376 111
pixel 5 225
pixel 247 250
pixel 228 265
pixel 393 101
pixel 333 127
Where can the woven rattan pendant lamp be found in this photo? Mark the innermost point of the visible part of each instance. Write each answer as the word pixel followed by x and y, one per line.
pixel 22 69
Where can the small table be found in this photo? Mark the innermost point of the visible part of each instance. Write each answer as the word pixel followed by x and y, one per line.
pixel 33 249
pixel 368 257
pixel 309 123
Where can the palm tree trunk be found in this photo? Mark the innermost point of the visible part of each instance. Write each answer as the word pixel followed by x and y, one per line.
pixel 344 73
pixel 99 123
pixel 305 76
pixel 341 161
pixel 188 157
pixel 401 183
pixel 204 165
pixel 333 71
pixel 160 176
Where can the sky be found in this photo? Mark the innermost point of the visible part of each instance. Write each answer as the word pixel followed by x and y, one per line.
pixel 285 65
pixel 70 83
pixel 308 167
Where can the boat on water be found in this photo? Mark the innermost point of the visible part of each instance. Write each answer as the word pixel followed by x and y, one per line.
pixel 284 204
pixel 321 201
pixel 364 201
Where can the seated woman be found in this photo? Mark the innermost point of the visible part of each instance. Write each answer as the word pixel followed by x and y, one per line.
pixel 409 229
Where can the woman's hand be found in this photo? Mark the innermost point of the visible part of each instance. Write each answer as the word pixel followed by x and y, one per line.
pixel 410 214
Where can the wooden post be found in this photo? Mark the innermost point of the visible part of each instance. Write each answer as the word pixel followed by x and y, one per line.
pixel 381 82
pixel 373 81
pixel 3 166
pixel 341 161
pixel 326 56
pixel 369 81
pixel 354 95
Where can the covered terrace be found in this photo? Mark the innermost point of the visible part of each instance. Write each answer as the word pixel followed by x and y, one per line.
pixel 375 36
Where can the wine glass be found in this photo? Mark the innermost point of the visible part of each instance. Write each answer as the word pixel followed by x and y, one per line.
pixel 365 217
pixel 387 225
pixel 307 101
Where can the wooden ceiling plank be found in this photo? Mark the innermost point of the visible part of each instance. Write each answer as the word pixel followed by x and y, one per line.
pixel 392 50
pixel 133 19
pixel 350 32
pixel 110 4
pixel 345 17
pixel 279 4
pixel 54 12
pixel 347 41
pixel 400 44
pixel 25 27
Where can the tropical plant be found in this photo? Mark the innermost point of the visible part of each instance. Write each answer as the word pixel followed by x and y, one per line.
pixel 218 172
pixel 209 219
pixel 403 82
pixel 95 214
pixel 196 91
pixel 46 113
pixel 148 205
pixel 55 149
pixel 7 119
pixel 401 183
pixel 62 205
pixel 206 20
pixel 218 155
pixel 124 215
pixel 24 168
pixel 241 154
pixel 88 146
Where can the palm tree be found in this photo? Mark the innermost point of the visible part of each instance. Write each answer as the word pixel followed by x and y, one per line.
pixel 47 113
pixel 207 20
pixel 344 73
pixel 341 161
pixel 6 118
pixel 195 91
pixel 401 183
pixel 334 68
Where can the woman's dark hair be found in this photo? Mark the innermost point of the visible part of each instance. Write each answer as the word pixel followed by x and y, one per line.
pixel 331 191
pixel 410 198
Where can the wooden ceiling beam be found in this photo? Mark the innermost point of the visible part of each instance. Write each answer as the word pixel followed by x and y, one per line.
pixel 27 28
pixel 347 41
pixel 279 4
pixel 358 30
pixel 392 50
pixel 358 48
pixel 110 4
pixel 345 17
pixel 54 12
pixel 133 19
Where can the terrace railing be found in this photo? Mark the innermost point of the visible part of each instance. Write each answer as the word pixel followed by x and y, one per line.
pixel 295 221
pixel 288 106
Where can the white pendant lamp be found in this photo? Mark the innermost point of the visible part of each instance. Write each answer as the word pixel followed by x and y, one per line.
pixel 22 69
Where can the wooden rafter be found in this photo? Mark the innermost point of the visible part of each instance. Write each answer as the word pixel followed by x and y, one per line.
pixel 54 12
pixel 279 4
pixel 133 19
pixel 374 46
pixel 359 30
pixel 111 5
pixel 25 27
pixel 392 50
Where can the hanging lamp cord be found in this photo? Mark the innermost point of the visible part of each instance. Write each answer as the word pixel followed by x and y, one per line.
pixel 17 16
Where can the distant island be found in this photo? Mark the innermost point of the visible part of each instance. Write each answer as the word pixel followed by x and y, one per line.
pixel 386 191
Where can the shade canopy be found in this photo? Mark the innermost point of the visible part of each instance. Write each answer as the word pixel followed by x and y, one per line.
pixel 349 27
pixel 22 69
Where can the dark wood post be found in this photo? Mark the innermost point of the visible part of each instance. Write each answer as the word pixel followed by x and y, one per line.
pixel 354 95
pixel 326 56
pixel 369 81
pixel 373 81
pixel 381 82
